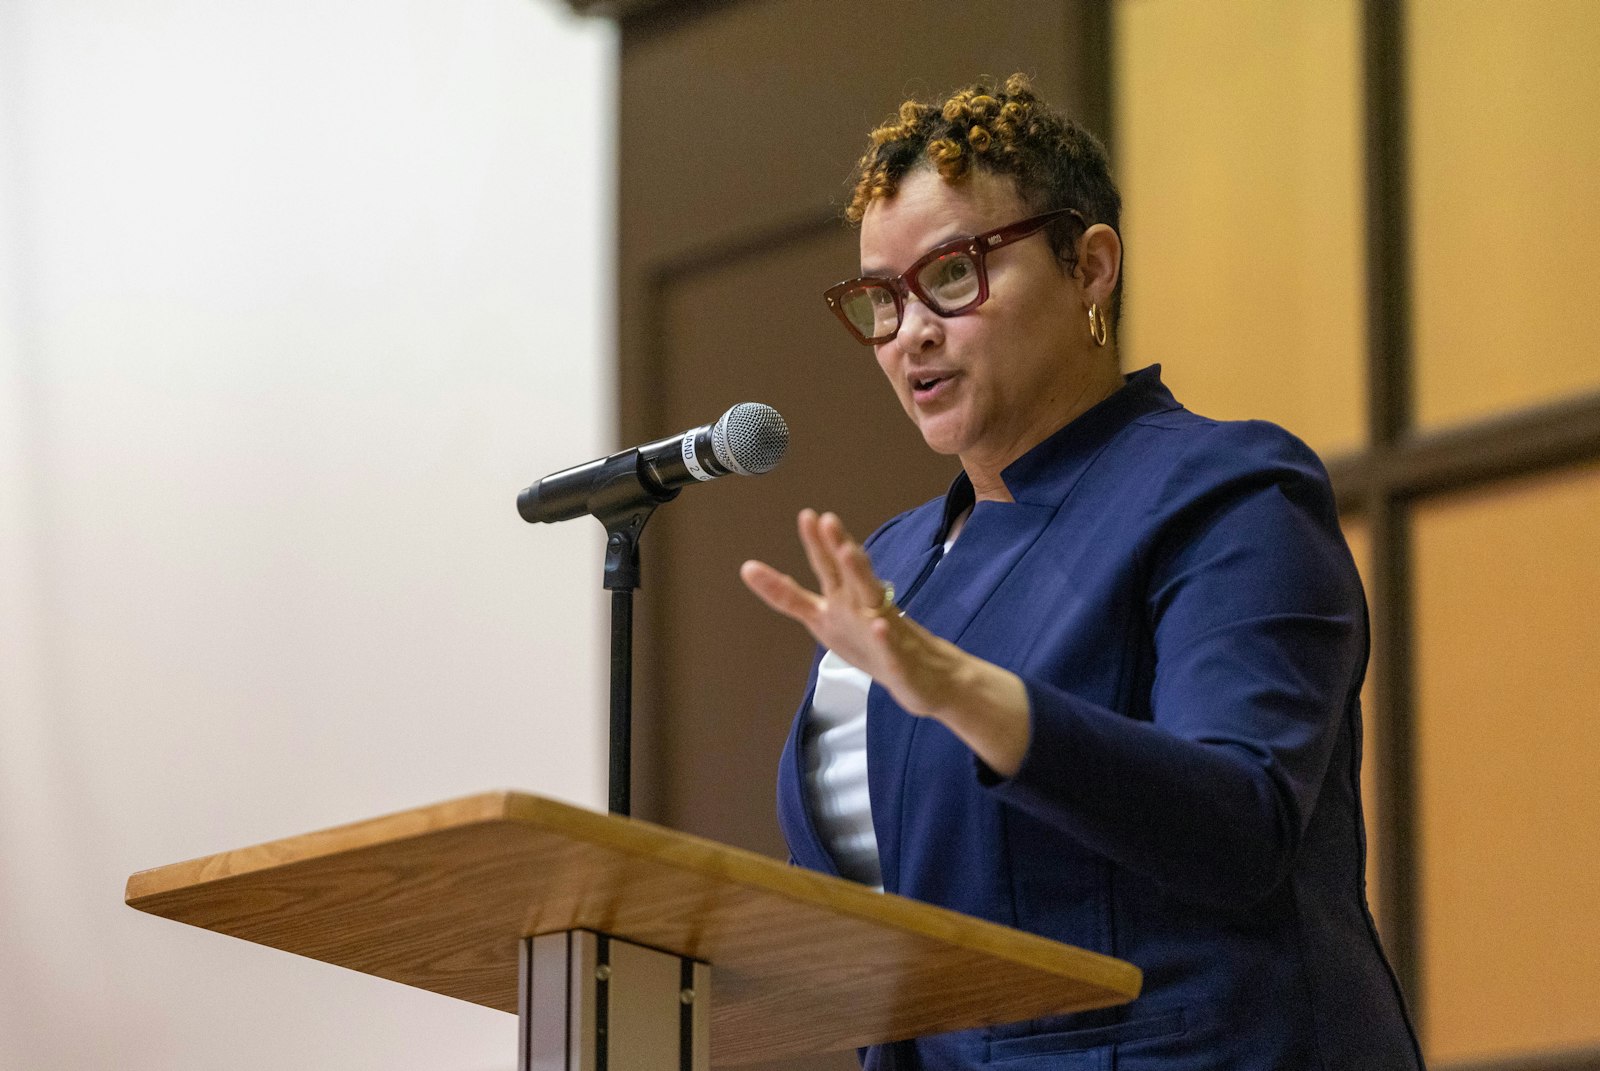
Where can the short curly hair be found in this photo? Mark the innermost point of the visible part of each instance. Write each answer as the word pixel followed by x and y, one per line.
pixel 1054 162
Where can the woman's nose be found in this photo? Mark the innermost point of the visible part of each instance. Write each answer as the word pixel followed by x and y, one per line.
pixel 920 327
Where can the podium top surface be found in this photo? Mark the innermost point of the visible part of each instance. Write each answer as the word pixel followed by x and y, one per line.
pixel 440 896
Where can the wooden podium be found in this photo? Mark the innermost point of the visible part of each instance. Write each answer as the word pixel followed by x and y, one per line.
pixel 462 898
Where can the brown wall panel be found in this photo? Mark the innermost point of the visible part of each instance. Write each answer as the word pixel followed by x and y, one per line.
pixel 756 112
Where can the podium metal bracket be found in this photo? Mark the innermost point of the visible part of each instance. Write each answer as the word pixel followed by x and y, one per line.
pixel 590 1002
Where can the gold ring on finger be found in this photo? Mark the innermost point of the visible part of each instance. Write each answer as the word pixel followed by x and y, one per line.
pixel 886 605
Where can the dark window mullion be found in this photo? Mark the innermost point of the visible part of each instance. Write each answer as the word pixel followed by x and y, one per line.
pixel 1390 421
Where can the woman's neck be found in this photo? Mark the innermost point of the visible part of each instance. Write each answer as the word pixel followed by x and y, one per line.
pixel 988 485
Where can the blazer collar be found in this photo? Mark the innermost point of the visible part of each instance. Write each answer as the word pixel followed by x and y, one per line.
pixel 1042 476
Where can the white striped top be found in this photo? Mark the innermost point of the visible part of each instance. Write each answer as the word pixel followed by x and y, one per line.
pixel 835 750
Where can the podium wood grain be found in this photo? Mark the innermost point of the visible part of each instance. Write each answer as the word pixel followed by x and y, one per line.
pixel 438 898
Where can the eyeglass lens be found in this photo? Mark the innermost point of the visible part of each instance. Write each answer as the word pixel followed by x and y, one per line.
pixel 948 283
pixel 871 310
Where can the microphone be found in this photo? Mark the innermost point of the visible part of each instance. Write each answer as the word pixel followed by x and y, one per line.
pixel 748 439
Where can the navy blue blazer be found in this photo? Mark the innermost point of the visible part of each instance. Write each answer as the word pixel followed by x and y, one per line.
pixel 1177 596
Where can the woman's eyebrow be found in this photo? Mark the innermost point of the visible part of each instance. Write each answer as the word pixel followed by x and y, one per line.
pixel 876 272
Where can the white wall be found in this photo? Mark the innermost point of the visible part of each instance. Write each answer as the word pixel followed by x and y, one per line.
pixel 294 297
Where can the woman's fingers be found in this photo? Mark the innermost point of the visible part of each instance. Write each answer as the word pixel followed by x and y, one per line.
pixel 918 668
pixel 780 591
pixel 817 553
pixel 868 588
pixel 847 614
pixel 857 581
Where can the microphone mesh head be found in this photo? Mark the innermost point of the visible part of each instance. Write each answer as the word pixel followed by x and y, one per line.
pixel 750 438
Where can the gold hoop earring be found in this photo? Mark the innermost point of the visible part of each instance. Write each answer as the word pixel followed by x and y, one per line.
pixel 1098 327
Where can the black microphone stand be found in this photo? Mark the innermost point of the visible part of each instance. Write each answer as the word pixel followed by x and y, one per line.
pixel 622 499
pixel 621 491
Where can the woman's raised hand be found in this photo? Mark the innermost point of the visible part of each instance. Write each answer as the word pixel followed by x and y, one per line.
pixel 983 704
pixel 848 614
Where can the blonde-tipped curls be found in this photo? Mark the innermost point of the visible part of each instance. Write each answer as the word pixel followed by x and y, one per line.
pixel 1054 162
pixel 974 122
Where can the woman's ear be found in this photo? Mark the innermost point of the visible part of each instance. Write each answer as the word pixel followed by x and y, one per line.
pixel 1099 263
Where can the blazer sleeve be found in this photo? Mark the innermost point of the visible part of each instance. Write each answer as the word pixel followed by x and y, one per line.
pixel 1257 622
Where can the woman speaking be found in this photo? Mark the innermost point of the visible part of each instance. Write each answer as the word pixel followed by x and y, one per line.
pixel 1106 689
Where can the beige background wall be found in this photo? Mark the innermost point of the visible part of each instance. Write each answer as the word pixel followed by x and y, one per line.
pixel 1239 155
pixel 1506 183
pixel 293 299
pixel 1506 582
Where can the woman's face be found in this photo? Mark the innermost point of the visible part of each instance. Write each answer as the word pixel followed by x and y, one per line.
pixel 990 384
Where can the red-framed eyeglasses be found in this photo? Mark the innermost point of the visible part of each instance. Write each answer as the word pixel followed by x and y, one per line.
pixel 950 279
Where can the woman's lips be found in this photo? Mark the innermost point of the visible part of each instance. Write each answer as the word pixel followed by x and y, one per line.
pixel 931 387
